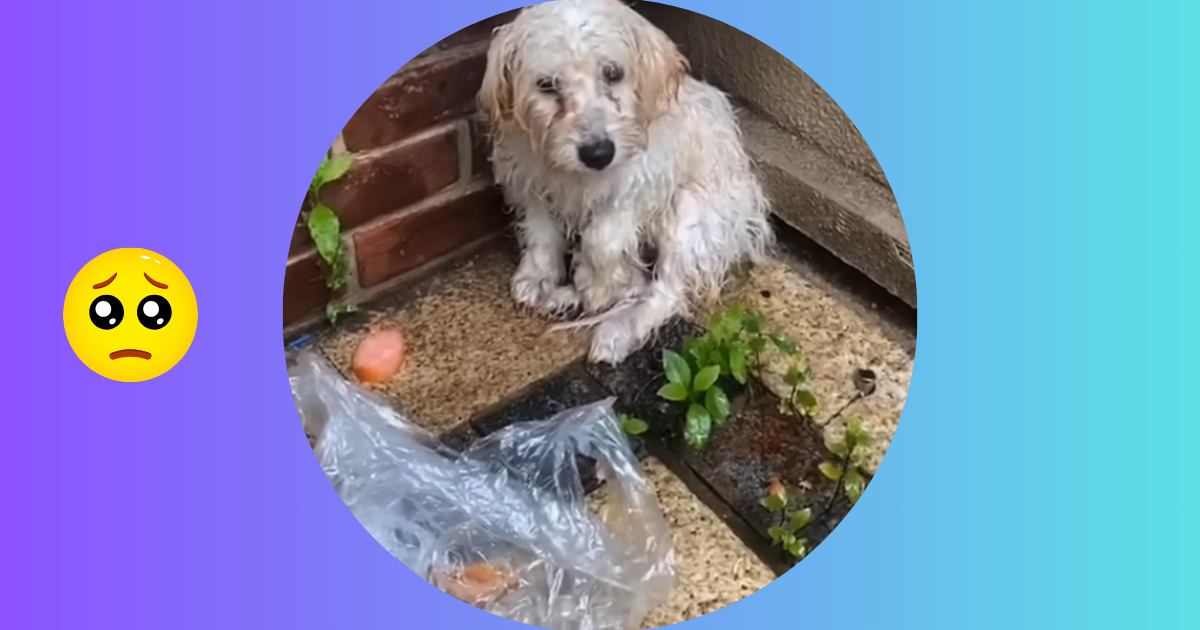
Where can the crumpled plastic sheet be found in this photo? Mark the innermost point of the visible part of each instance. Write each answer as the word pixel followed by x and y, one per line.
pixel 504 525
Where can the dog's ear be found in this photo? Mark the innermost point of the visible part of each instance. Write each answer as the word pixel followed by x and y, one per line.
pixel 659 70
pixel 496 93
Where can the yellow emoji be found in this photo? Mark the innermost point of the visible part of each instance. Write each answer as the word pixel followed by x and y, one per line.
pixel 130 315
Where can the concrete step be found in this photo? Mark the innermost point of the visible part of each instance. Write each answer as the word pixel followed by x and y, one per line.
pixel 843 210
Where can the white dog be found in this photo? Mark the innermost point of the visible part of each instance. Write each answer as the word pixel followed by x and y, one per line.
pixel 600 134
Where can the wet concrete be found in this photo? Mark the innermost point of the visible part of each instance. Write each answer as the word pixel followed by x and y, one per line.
pixel 762 442
pixel 716 566
pixel 759 444
pixel 843 324
pixel 733 472
pixel 730 476
pixel 713 566
pixel 569 388
pixel 479 364
pixel 468 345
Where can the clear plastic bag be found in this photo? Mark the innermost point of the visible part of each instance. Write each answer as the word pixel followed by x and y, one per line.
pixel 504 525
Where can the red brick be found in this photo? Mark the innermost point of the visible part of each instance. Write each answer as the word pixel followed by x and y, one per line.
pixel 476 32
pixel 397 178
pixel 304 290
pixel 481 166
pixel 415 238
pixel 301 242
pixel 416 99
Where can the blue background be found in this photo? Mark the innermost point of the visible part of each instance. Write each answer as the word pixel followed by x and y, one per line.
pixel 1043 155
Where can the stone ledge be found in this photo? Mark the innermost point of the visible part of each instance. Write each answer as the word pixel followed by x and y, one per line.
pixel 844 211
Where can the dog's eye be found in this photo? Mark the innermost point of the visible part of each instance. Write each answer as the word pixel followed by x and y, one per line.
pixel 546 85
pixel 613 73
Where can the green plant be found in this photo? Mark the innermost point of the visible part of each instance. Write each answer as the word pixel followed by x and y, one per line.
pixel 326 232
pixel 707 402
pixel 633 426
pixel 735 342
pixel 849 455
pixel 791 522
pixel 802 400
pixel 733 347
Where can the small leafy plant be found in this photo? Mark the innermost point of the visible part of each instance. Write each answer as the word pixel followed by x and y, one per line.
pixel 733 348
pixel 791 521
pixel 326 232
pixel 707 402
pixel 849 455
pixel 845 467
pixel 735 342
pixel 632 425
pixel 801 398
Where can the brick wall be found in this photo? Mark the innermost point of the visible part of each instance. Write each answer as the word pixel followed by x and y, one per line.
pixel 420 189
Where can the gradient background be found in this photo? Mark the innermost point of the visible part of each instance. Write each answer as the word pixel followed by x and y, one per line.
pixel 1043 154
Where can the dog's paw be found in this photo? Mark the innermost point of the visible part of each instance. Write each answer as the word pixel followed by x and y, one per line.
pixel 562 302
pixel 598 294
pixel 530 290
pixel 541 293
pixel 613 341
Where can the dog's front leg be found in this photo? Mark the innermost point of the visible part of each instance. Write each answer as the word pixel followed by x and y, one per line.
pixel 606 270
pixel 538 282
pixel 689 248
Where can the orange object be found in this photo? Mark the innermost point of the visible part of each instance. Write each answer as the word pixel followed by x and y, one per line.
pixel 379 356
pixel 776 488
pixel 479 584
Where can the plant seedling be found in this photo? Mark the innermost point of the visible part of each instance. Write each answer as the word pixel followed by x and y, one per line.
pixel 633 426
pixel 787 533
pixel 801 399
pixel 849 455
pixel 706 402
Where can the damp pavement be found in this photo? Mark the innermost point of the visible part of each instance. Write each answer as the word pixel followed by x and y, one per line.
pixel 477 363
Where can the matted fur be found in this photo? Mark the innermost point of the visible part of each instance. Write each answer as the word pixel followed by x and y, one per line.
pixel 569 71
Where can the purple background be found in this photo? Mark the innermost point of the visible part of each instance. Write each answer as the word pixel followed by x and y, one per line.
pixel 1018 140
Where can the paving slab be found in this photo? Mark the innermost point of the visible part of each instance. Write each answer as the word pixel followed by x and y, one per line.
pixel 469 347
pixel 714 567
pixel 477 363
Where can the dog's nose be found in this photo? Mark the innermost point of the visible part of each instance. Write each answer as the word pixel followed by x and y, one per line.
pixel 597 154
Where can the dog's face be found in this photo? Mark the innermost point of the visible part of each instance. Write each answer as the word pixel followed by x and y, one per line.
pixel 584 79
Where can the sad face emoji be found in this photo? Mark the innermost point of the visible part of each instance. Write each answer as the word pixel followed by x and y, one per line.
pixel 130 315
